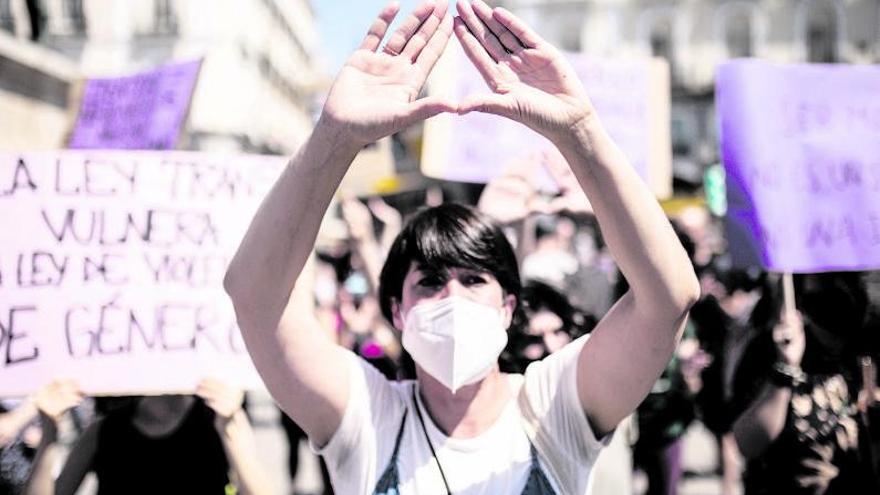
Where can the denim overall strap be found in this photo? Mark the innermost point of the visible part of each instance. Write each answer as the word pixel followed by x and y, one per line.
pixel 389 482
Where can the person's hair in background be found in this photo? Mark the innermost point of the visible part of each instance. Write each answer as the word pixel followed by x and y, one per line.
pixel 450 235
pixel 821 434
pixel 547 321
pixel 834 307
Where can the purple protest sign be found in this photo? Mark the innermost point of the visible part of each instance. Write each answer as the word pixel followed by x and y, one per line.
pixel 631 97
pixel 801 149
pixel 142 111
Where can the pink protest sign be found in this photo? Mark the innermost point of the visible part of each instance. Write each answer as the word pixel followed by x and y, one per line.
pixel 112 265
pixel 144 111
pixel 801 149
pixel 631 97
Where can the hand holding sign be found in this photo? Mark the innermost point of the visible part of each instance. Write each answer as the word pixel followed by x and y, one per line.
pixel 788 335
pixel 223 398
pixel 54 399
pixel 532 83
pixel 376 93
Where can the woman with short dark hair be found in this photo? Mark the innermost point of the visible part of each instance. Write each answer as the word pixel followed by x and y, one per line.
pixel 451 286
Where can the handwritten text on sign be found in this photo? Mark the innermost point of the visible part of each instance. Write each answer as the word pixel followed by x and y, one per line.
pixel 801 146
pixel 143 111
pixel 112 265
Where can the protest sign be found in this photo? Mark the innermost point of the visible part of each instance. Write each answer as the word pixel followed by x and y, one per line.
pixel 632 98
pixel 112 265
pixel 143 111
pixel 801 150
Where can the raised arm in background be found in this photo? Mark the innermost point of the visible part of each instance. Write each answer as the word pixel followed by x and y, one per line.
pixel 763 421
pixel 533 84
pixel 392 222
pixel 237 436
pixel 12 422
pixel 374 95
pixel 52 401
pixel 360 228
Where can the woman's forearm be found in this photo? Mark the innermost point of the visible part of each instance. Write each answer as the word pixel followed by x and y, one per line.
pixel 12 422
pixel 238 441
pixel 637 231
pixel 262 274
pixel 763 421
pixel 40 481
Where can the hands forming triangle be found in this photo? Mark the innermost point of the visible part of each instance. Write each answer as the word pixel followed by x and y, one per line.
pixel 377 92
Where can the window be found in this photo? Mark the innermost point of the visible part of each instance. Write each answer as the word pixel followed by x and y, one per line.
pixel 738 34
pixel 73 13
pixel 7 22
pixel 165 18
pixel 822 33
pixel 662 41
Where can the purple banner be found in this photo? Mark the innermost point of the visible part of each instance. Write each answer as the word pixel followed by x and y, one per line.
pixel 630 96
pixel 143 111
pixel 801 148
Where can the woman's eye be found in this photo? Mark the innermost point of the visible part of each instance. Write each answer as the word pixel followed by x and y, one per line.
pixel 430 281
pixel 475 280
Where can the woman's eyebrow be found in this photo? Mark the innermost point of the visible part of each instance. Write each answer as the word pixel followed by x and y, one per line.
pixel 427 270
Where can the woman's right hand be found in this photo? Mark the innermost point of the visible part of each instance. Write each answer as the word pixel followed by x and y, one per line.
pixel 789 337
pixel 56 398
pixel 377 92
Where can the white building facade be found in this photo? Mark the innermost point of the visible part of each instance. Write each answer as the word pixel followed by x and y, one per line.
pixel 697 35
pixel 256 86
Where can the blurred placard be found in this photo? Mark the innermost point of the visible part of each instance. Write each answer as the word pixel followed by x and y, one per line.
pixel 801 149
pixel 143 111
pixel 112 265
pixel 371 170
pixel 632 98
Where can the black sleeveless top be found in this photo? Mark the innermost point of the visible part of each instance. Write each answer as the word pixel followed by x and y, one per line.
pixel 189 460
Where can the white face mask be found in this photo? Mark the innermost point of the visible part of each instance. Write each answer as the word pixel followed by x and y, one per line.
pixel 456 340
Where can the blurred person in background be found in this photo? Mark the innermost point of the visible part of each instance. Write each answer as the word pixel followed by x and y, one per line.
pixel 724 329
pixel 365 331
pixel 451 284
pixel 796 413
pixel 21 432
pixel 552 261
pixel 175 444
pixel 547 323
pixel 665 414
pixel 868 402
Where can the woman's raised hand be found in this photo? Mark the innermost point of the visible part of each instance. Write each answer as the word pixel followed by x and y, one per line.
pixel 531 82
pixel 377 92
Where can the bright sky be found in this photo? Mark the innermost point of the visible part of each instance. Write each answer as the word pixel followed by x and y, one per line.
pixel 343 24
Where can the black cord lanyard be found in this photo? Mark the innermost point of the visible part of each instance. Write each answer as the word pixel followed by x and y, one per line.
pixel 430 445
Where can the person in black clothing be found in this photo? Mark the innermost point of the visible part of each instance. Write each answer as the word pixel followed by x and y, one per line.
pixel 795 400
pixel 545 323
pixel 723 328
pixel 161 444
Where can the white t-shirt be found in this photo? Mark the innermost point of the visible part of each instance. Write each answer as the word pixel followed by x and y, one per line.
pixel 545 410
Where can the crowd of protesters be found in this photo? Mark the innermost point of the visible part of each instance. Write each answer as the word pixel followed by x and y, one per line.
pixel 784 380
pixel 789 398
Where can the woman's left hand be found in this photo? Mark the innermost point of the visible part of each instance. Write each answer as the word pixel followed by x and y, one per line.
pixel 223 398
pixel 531 81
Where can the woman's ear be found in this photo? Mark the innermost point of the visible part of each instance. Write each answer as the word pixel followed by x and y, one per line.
pixel 509 308
pixel 396 317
